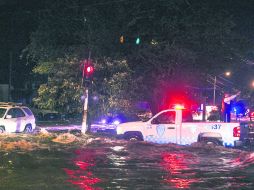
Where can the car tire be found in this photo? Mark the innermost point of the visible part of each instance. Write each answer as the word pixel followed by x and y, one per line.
pixel 2 129
pixel 133 136
pixel 211 141
pixel 28 129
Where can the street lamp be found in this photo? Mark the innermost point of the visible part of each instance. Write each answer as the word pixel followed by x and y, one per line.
pixel 252 84
pixel 228 73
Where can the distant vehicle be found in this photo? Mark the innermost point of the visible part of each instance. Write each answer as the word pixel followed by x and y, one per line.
pixel 46 115
pixel 242 111
pixel 52 116
pixel 251 113
pixel 107 124
pixel 15 117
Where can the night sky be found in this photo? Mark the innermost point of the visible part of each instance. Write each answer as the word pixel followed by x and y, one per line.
pixel 18 18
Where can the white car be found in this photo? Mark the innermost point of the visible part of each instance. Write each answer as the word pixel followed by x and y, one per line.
pixel 16 118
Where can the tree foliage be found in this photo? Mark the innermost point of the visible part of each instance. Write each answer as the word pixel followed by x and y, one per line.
pixel 63 90
pixel 180 41
pixel 114 86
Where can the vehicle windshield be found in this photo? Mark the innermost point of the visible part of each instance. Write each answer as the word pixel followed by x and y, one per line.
pixel 145 116
pixel 145 119
pixel 2 112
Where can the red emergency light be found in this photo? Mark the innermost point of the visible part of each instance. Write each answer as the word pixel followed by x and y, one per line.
pixel 178 106
pixel 236 131
pixel 252 116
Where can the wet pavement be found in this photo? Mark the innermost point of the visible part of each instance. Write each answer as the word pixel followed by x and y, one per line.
pixel 107 163
pixel 122 165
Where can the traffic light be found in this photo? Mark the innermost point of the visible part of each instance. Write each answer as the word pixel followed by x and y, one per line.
pixel 87 69
pixel 121 39
pixel 138 40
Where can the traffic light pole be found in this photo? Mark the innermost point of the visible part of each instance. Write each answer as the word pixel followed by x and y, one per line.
pixel 84 126
pixel 87 72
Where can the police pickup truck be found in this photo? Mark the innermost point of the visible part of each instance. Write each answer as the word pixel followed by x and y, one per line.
pixel 177 126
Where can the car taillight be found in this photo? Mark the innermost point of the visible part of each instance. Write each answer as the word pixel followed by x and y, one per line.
pixel 236 132
pixel 252 114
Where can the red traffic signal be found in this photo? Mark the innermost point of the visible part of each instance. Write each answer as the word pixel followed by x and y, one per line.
pixel 87 69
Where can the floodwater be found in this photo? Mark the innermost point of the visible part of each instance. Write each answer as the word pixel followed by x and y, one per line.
pixel 113 164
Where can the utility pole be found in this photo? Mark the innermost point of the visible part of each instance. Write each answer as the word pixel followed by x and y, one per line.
pixel 214 90
pixel 10 77
pixel 85 110
pixel 87 73
pixel 227 74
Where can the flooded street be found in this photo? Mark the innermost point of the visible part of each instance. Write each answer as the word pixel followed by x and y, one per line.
pixel 138 165
pixel 106 163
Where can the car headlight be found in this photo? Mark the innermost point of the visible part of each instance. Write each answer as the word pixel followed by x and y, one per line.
pixel 119 130
pixel 116 122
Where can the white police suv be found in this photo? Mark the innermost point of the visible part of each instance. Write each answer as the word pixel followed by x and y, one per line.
pixel 15 117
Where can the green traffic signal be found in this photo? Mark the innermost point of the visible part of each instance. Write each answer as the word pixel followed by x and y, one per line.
pixel 138 41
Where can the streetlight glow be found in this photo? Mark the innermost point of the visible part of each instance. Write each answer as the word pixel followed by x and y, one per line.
pixel 228 73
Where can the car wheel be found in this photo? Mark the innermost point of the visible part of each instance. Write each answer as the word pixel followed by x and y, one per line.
pixel 212 142
pixel 1 130
pixel 133 137
pixel 28 129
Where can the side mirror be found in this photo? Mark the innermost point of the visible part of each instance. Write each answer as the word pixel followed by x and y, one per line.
pixel 8 117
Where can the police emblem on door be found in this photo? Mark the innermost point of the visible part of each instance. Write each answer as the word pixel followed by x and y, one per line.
pixel 160 130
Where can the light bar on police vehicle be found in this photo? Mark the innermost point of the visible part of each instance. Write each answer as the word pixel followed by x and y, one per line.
pixel 178 107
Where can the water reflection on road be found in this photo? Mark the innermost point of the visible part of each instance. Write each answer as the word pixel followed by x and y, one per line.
pixel 82 176
pixel 179 174
pixel 109 164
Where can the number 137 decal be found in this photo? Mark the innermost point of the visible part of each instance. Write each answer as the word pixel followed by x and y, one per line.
pixel 216 126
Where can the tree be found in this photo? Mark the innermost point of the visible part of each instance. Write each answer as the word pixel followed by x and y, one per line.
pixel 180 41
pixel 62 92
pixel 114 86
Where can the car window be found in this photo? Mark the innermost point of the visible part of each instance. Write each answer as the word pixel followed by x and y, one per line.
pixel 16 112
pixel 28 111
pixel 2 112
pixel 187 116
pixel 165 118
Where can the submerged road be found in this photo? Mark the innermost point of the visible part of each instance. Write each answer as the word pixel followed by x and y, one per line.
pixel 112 164
pixel 106 164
